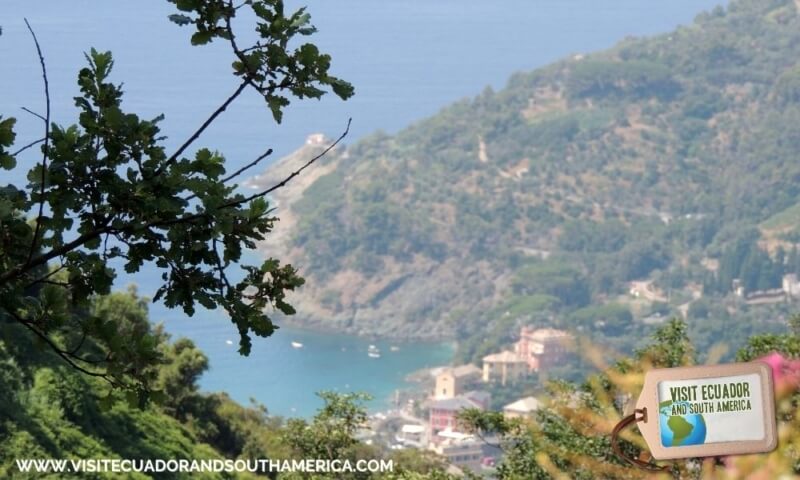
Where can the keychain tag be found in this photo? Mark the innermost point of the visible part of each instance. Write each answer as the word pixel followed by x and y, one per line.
pixel 706 411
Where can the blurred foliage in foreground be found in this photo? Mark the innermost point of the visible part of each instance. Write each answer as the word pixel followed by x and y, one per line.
pixel 569 438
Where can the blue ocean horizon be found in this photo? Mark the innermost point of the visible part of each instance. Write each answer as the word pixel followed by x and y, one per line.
pixel 407 60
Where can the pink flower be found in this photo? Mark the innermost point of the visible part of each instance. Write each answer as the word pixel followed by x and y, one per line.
pixel 785 371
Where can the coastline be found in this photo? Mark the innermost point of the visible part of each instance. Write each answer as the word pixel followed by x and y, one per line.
pixel 335 326
pixel 285 378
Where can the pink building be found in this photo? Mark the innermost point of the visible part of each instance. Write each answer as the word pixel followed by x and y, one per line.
pixel 443 413
pixel 543 348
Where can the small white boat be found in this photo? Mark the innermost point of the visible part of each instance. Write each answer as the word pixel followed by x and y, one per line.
pixel 373 352
pixel 229 342
pixel 297 345
pixel 394 348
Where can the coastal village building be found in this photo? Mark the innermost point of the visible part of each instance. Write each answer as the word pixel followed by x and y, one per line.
pixel 505 367
pixel 452 382
pixel 537 349
pixel 411 435
pixel 543 348
pixel 522 408
pixel 463 451
pixel 316 139
pixel 442 413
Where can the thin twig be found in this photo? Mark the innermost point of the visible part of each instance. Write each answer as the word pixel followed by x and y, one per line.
pixel 247 81
pixel 221 269
pixel 486 441
pixel 105 247
pixel 297 172
pixel 200 130
pixel 52 272
pixel 34 114
pixel 240 171
pixel 46 140
pixel 236 203
pixel 23 268
pixel 248 74
pixel 247 167
pixel 35 142
pixel 75 350
pixel 239 53
pixel 61 353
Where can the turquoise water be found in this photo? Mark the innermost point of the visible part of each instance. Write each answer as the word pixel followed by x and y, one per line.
pixel 407 58
pixel 285 379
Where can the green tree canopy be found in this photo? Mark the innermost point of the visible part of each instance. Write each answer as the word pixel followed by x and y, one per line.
pixel 106 189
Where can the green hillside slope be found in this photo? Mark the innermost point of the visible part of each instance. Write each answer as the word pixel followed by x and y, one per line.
pixel 654 161
pixel 49 410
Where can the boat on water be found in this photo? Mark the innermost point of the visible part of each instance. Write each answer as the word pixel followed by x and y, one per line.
pixel 297 345
pixel 373 352
pixel 394 348
pixel 229 342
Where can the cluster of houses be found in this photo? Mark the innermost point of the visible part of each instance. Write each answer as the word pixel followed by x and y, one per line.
pixel 461 387
pixel 537 350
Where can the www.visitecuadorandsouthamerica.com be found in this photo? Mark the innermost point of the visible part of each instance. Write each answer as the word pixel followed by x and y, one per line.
pixel 116 465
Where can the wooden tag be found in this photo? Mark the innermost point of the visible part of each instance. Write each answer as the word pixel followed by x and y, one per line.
pixel 708 411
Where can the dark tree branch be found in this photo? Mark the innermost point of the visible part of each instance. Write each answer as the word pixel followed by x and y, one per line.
pixel 105 247
pixel 249 74
pixel 247 167
pixel 23 268
pixel 62 353
pixel 42 279
pixel 103 227
pixel 257 46
pixel 46 140
pixel 221 269
pixel 77 348
pixel 35 142
pixel 240 171
pixel 200 130
pixel 247 81
pixel 486 441
pixel 239 53
pixel 236 203
pixel 297 172
pixel 34 114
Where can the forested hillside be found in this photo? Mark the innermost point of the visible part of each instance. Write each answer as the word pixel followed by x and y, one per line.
pixel 668 161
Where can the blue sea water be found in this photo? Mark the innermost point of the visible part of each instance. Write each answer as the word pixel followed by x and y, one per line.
pixel 407 59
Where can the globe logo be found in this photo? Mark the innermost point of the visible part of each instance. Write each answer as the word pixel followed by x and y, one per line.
pixel 680 430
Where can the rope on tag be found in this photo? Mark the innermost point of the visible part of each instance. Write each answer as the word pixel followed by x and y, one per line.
pixel 638 415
